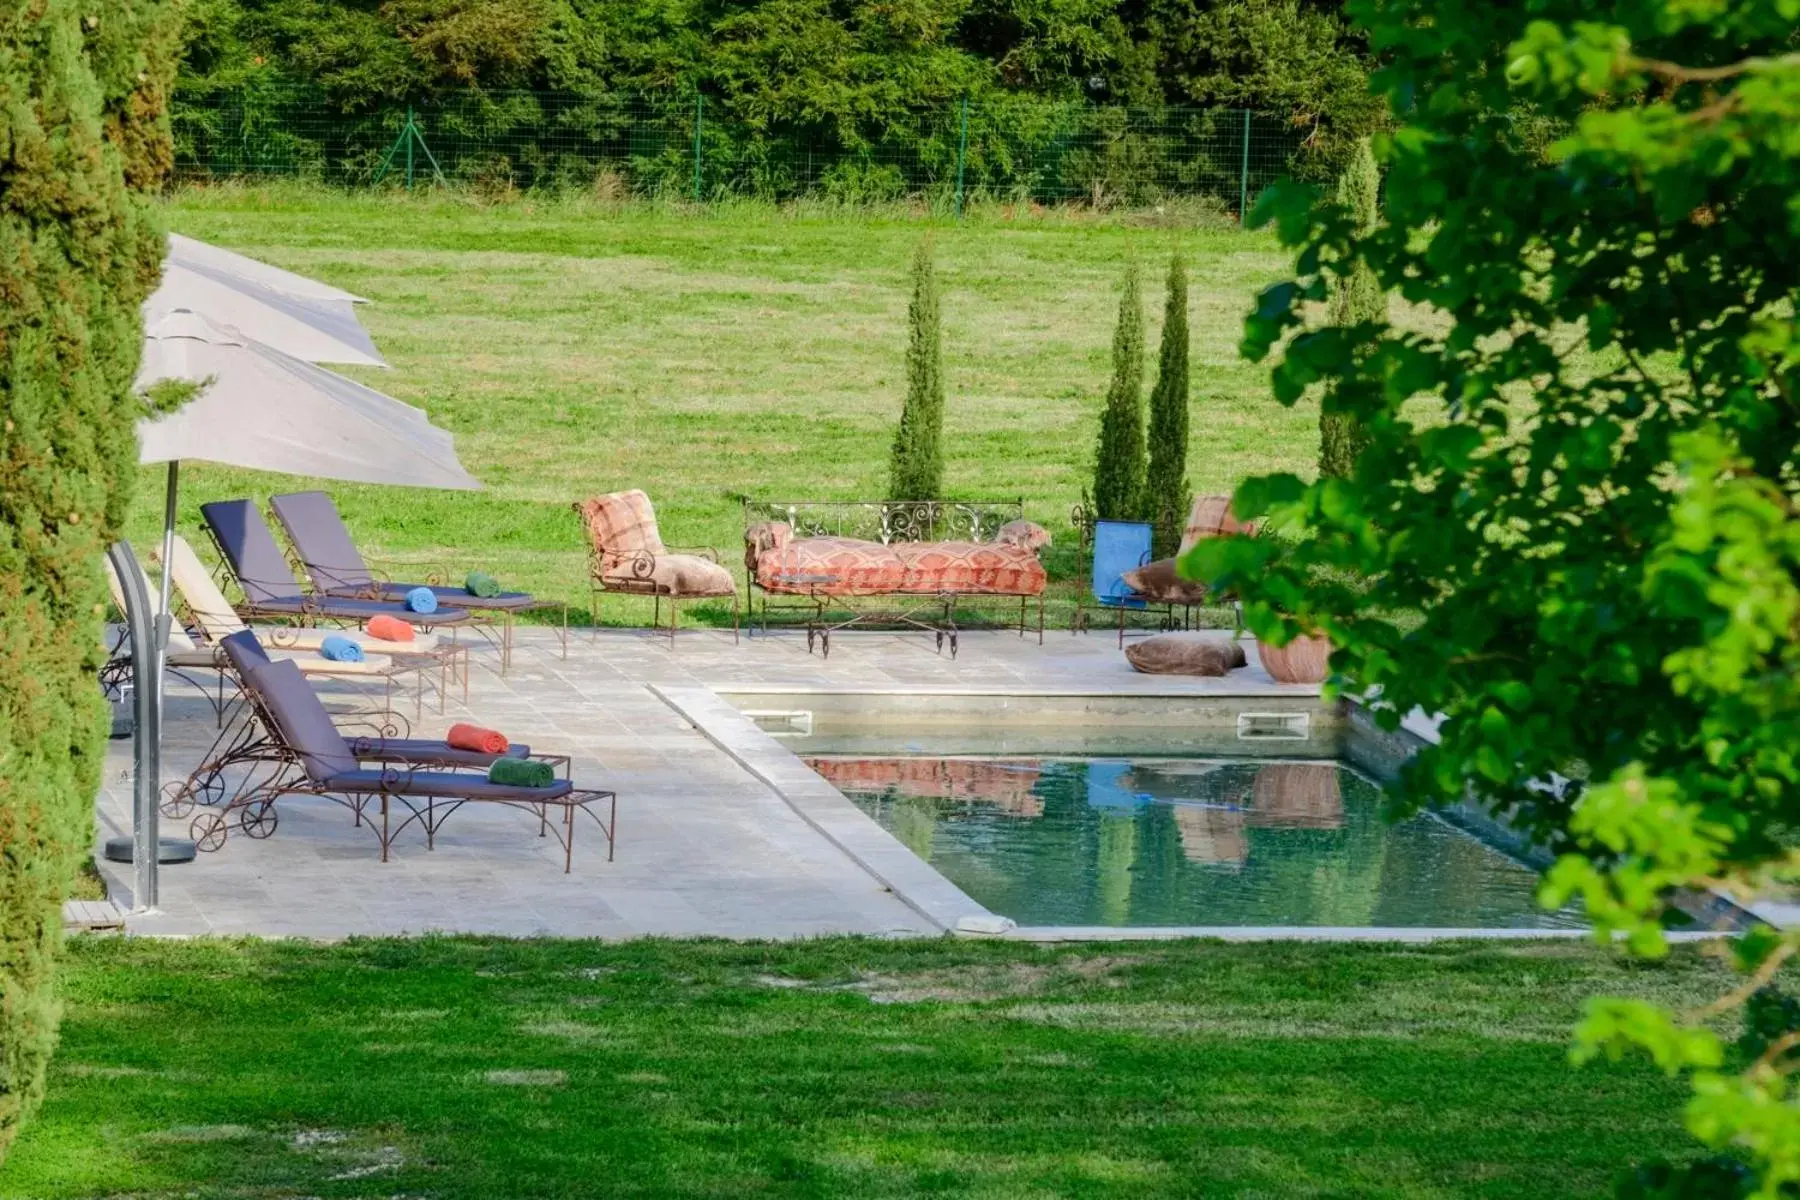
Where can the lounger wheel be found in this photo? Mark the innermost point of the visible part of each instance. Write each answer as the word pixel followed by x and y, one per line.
pixel 181 796
pixel 208 831
pixel 178 800
pixel 259 820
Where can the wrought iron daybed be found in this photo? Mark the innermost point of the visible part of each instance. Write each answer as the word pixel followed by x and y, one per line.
pixel 913 563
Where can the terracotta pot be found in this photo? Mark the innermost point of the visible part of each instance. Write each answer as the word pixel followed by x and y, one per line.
pixel 1303 660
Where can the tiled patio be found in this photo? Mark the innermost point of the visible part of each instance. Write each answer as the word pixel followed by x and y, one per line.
pixel 705 846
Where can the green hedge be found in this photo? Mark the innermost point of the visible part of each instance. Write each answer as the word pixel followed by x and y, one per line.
pixel 82 97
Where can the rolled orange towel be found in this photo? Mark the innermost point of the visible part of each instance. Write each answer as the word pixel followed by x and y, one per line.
pixel 390 629
pixel 463 736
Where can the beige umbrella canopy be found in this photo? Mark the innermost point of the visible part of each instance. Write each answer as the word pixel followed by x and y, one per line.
pixel 270 411
pixel 304 318
pixel 202 256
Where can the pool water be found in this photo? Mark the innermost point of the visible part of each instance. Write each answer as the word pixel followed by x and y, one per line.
pixel 1160 841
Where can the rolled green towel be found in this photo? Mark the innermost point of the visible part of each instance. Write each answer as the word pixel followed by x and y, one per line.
pixel 480 583
pixel 522 772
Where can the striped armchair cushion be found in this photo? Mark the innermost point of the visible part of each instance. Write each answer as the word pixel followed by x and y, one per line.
pixel 621 523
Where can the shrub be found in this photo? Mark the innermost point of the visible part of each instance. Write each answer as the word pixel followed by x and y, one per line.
pixel 1165 481
pixel 1119 460
pixel 917 472
pixel 84 129
pixel 1357 296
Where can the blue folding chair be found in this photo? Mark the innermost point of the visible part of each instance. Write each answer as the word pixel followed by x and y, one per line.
pixel 1119 546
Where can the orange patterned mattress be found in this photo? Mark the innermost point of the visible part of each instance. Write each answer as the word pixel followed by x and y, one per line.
pixel 872 569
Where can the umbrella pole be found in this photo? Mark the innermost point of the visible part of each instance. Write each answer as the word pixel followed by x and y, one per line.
pixel 150 769
pixel 168 556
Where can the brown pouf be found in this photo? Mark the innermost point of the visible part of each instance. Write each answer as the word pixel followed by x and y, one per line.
pixel 1159 583
pixel 1185 654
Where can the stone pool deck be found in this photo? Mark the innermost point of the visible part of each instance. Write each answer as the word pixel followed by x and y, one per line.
pixel 707 844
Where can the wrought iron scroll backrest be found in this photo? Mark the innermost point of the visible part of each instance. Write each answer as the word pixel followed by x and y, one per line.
pixel 889 521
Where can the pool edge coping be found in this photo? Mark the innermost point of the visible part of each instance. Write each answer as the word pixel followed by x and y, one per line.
pixel 831 814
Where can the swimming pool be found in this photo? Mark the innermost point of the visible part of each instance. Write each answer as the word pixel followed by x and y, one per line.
pixel 1190 841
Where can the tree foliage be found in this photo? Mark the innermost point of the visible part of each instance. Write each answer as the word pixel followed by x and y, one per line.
pixel 1356 297
pixel 861 74
pixel 82 91
pixel 1119 459
pixel 1165 479
pixel 1600 536
pixel 917 469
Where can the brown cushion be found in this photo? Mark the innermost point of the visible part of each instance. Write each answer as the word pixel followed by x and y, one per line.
pixel 1027 535
pixel 621 523
pixel 764 537
pixel 670 574
pixel 1159 583
pixel 1185 654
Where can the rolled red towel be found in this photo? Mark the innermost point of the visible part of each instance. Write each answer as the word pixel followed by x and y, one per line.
pixel 390 629
pixel 464 736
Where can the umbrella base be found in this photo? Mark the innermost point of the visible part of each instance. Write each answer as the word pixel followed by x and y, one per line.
pixel 169 850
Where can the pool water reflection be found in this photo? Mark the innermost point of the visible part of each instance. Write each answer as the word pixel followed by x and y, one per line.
pixel 1102 841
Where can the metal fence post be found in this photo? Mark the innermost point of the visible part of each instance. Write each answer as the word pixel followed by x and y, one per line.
pixel 407 133
pixel 962 156
pixel 699 118
pixel 1244 176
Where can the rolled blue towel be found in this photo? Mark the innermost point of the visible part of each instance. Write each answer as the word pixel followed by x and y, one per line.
pixel 422 600
pixel 341 649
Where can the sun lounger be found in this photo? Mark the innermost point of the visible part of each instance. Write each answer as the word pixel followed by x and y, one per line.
pixel 214 617
pixel 320 761
pixel 269 586
pixel 253 752
pixel 337 568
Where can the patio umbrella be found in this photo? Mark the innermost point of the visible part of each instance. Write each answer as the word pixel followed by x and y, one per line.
pixel 261 408
pixel 309 320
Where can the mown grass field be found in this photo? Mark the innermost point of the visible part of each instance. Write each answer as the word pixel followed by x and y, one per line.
pixel 480 1069
pixel 576 349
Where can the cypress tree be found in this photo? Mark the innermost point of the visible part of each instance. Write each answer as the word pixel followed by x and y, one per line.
pixel 1119 461
pixel 82 91
pixel 1358 297
pixel 1165 483
pixel 917 471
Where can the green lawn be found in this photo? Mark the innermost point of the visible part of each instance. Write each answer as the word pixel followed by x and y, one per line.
pixel 840 1068
pixel 575 349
